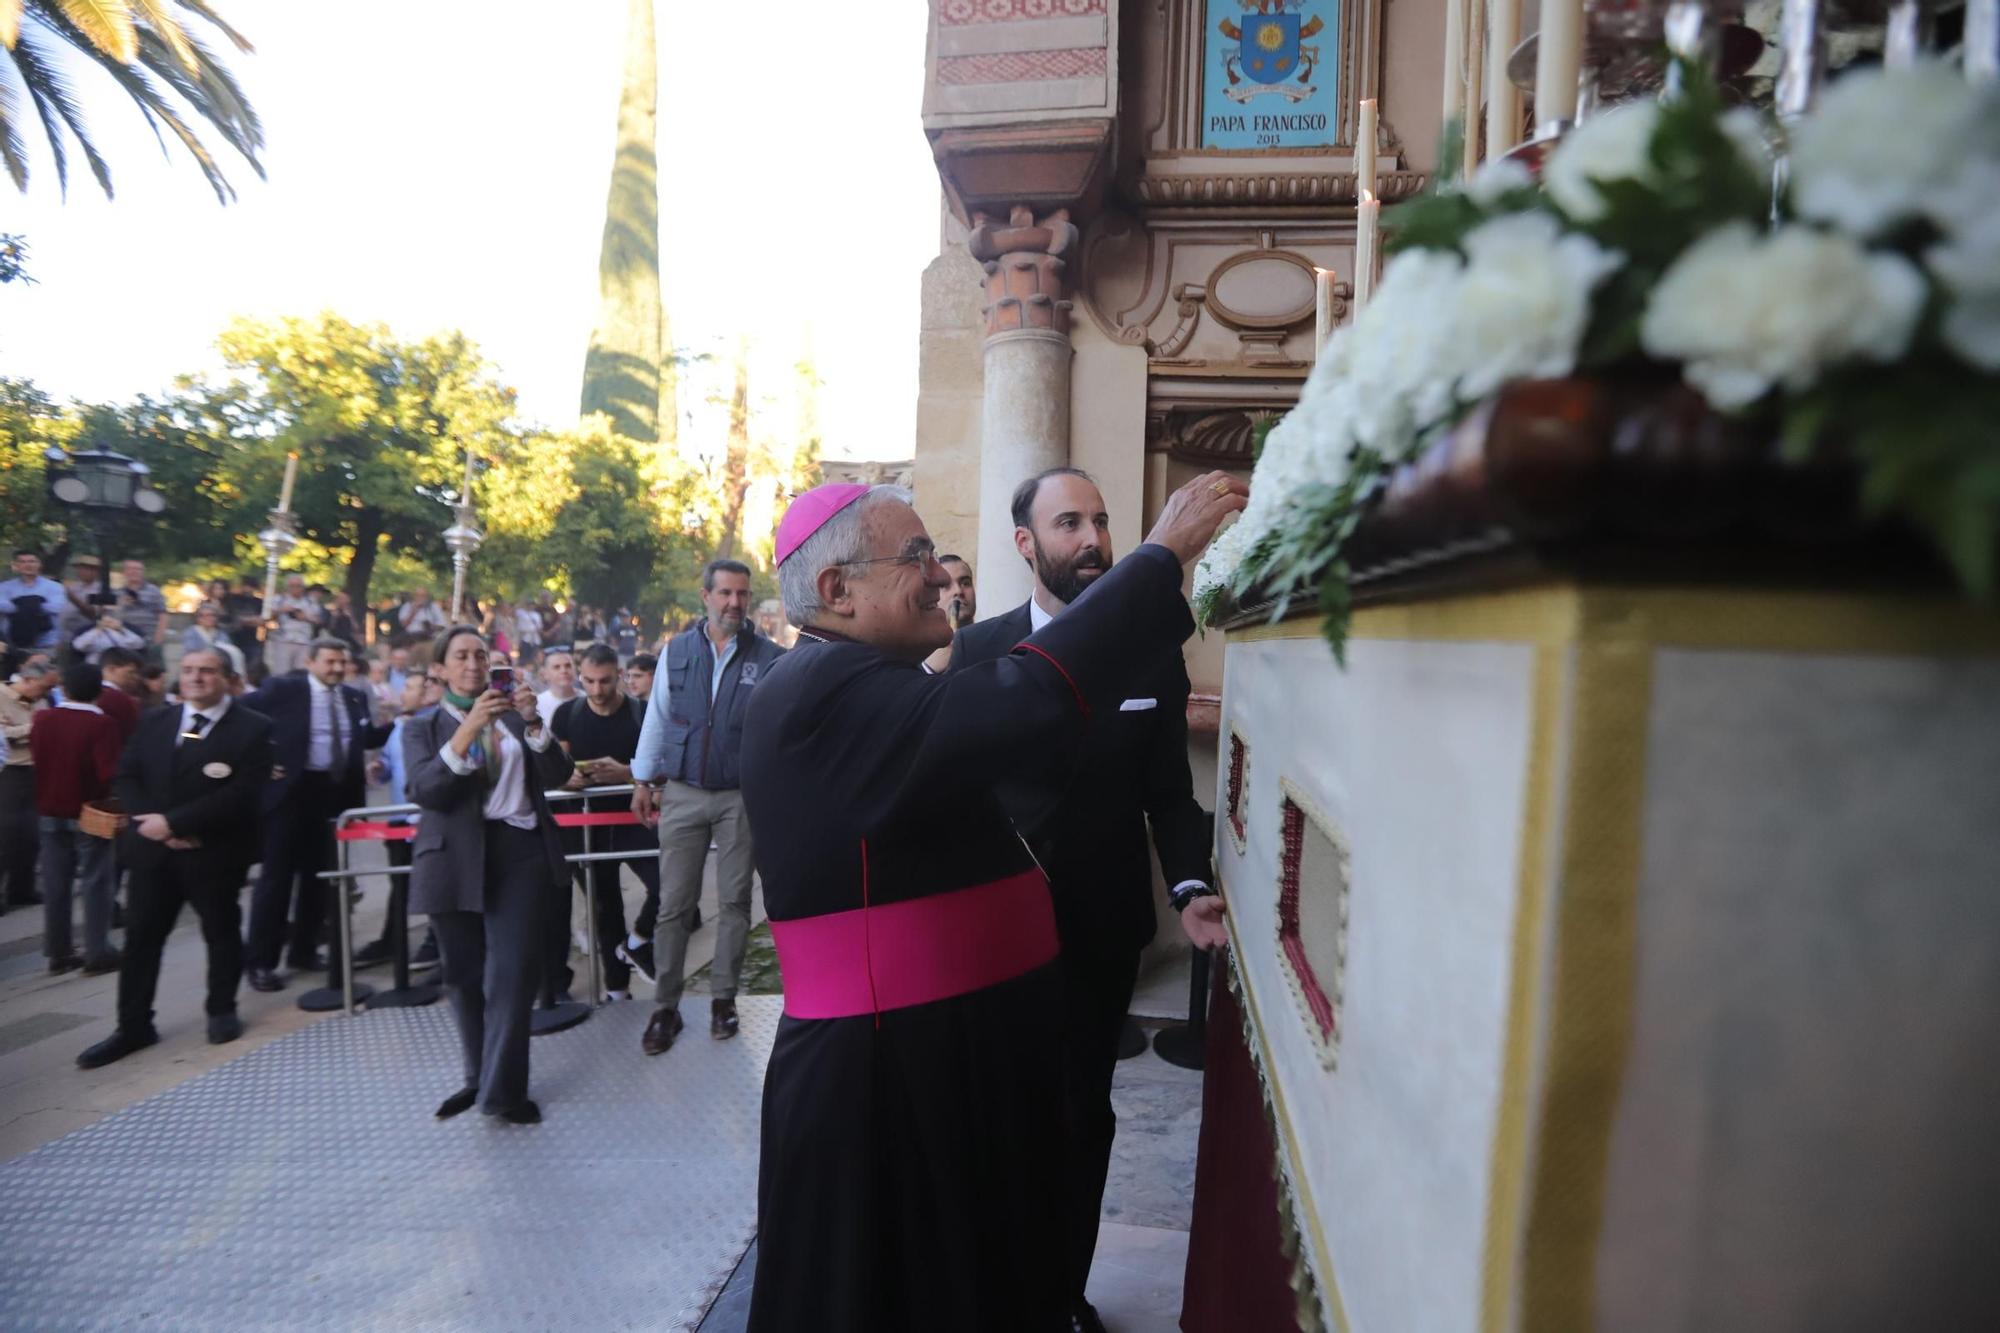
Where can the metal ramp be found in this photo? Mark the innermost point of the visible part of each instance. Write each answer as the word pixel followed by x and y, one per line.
pixel 306 1186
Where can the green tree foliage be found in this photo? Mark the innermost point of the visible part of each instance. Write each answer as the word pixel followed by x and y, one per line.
pixel 379 426
pixel 625 374
pixel 151 50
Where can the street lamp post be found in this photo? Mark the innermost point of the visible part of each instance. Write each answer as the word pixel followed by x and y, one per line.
pixel 100 483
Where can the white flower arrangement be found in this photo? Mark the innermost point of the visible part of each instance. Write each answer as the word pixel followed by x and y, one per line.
pixel 1870 306
pixel 1882 142
pixel 1747 312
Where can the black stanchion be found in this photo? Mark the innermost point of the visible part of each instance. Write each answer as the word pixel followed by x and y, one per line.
pixel 402 995
pixel 1132 1040
pixel 1186 1043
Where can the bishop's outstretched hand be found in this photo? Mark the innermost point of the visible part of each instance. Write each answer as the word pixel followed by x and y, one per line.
pixel 1193 513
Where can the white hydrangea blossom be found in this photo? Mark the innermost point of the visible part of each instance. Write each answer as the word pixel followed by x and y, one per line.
pixel 1496 178
pixel 1880 142
pixel 1524 301
pixel 1967 262
pixel 1609 146
pixel 1748 312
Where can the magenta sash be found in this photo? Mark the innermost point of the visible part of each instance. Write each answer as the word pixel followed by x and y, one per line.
pixel 895 955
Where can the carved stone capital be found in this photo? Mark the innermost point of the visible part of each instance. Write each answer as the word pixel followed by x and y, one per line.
pixel 1025 260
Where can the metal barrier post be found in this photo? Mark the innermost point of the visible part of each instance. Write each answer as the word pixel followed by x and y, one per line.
pixel 590 919
pixel 340 954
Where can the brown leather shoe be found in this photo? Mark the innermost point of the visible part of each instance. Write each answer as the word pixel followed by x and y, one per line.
pixel 722 1019
pixel 660 1033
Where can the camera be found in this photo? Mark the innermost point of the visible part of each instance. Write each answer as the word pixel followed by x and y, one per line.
pixel 502 679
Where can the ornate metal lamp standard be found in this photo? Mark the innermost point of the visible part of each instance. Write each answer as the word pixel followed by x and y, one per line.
pixel 99 483
pixel 462 539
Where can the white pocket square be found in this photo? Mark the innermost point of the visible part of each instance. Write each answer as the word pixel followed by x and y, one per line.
pixel 1138 705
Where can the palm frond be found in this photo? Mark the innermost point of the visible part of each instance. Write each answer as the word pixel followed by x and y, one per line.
pixel 208 12
pixel 162 21
pixel 57 104
pixel 218 101
pixel 12 150
pixel 105 24
pixel 158 110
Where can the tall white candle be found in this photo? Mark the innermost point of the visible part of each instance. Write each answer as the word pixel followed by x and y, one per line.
pixel 1324 297
pixel 1982 40
pixel 1558 59
pixel 1365 164
pixel 1503 99
pixel 1475 79
pixel 1367 233
pixel 1454 61
pixel 291 475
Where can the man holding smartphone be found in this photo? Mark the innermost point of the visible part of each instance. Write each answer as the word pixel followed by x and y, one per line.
pixel 600 730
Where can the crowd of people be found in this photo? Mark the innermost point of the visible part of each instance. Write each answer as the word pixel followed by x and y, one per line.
pixel 270 726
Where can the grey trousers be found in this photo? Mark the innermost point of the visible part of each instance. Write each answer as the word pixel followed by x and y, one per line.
pixel 71 855
pixel 492 966
pixel 690 819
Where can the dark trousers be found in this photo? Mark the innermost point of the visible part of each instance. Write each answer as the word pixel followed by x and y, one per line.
pixel 156 894
pixel 20 832
pixel 298 842
pixel 1097 994
pixel 492 965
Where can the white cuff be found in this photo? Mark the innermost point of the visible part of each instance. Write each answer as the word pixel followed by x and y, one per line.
pixel 462 767
pixel 1186 884
pixel 537 741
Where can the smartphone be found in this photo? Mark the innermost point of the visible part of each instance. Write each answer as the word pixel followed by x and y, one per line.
pixel 502 679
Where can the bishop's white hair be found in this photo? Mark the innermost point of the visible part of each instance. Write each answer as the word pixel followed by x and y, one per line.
pixel 839 541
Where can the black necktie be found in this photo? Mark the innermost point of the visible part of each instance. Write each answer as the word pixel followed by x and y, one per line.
pixel 196 725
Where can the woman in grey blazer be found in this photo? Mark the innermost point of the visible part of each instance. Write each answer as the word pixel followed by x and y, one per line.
pixel 486 857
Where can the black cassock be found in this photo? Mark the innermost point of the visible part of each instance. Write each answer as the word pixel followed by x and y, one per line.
pixel 912 1167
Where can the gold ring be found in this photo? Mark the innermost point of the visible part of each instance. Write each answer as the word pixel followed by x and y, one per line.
pixel 1220 488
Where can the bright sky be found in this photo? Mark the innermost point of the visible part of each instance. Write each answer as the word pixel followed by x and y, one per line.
pixel 444 163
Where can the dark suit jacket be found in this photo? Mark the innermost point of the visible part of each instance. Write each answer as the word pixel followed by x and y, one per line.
pixel 209 789
pixel 1087 820
pixel 448 855
pixel 287 701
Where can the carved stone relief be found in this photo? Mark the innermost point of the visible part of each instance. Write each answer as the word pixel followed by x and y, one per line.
pixel 1213 294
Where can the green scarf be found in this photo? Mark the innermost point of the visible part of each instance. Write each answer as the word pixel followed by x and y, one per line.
pixel 486 749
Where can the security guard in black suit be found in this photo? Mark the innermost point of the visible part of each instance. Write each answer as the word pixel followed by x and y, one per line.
pixel 1087 825
pixel 190 782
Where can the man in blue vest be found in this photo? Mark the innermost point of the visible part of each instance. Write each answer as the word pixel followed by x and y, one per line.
pixel 685 778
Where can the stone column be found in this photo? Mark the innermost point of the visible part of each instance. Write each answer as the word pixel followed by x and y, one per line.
pixel 1024 418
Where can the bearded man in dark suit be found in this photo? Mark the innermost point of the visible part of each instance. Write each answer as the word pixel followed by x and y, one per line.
pixel 1086 820
pixel 190 781
pixel 321 727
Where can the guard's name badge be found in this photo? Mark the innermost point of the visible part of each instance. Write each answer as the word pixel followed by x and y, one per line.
pixel 748 676
pixel 217 770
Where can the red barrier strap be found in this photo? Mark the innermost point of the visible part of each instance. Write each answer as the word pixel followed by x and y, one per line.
pixel 375 832
pixel 596 820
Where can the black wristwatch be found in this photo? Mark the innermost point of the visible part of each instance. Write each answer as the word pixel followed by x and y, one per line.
pixel 1185 896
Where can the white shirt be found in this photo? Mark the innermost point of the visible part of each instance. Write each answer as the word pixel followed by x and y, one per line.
pixel 291 629
pixel 213 713
pixel 546 704
pixel 508 798
pixel 528 624
pixel 319 743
